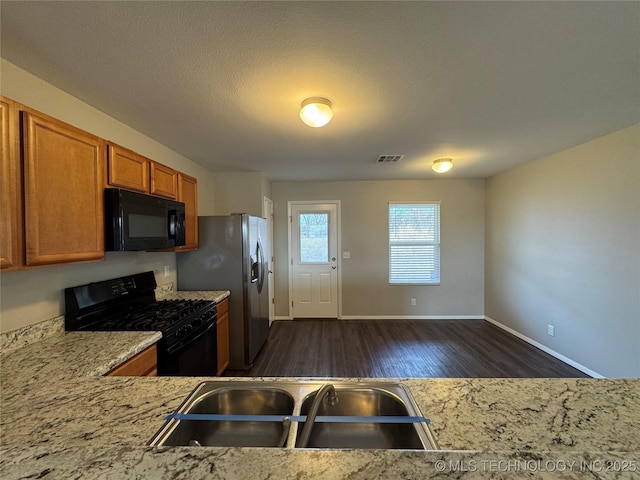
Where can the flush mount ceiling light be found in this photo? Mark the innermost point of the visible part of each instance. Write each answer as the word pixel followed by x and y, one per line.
pixel 442 165
pixel 316 111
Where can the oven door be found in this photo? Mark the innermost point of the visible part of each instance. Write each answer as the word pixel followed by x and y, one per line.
pixel 195 356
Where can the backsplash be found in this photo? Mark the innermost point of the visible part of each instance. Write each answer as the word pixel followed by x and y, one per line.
pixel 15 339
pixel 164 290
pixel 24 336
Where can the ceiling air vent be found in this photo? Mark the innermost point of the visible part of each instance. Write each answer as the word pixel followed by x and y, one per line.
pixel 390 158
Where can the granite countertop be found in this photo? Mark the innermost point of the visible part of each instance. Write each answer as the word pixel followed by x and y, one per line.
pixel 60 418
pixel 215 295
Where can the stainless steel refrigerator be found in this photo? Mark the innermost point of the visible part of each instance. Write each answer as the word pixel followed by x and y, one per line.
pixel 232 255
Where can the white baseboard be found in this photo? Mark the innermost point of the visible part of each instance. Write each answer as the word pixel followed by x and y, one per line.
pixel 401 317
pixel 412 317
pixel 545 349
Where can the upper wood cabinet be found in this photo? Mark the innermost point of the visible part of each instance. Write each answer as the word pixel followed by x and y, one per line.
pixel 127 169
pixel 132 171
pixel 164 181
pixel 10 188
pixel 52 179
pixel 188 193
pixel 63 191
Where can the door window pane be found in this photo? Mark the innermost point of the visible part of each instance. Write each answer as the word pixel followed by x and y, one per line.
pixel 314 237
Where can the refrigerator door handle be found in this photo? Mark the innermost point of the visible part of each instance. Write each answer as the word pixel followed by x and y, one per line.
pixel 255 273
pixel 260 267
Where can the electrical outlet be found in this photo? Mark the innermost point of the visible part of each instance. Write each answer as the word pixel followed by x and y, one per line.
pixel 551 330
pixel 166 271
pixel 413 302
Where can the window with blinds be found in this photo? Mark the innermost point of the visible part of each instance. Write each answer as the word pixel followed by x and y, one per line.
pixel 414 243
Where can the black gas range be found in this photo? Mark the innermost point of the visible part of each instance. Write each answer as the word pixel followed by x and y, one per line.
pixel 189 342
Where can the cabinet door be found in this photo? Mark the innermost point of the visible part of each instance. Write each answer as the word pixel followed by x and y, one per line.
pixel 11 241
pixel 223 335
pixel 63 185
pixel 144 364
pixel 164 181
pixel 188 193
pixel 127 169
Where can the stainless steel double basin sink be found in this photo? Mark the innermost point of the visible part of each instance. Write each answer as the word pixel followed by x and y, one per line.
pixel 375 415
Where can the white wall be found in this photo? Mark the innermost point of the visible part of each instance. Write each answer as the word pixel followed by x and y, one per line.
pixel 240 192
pixel 30 296
pixel 364 228
pixel 563 248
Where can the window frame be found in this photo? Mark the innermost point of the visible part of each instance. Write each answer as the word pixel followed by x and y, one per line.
pixel 437 243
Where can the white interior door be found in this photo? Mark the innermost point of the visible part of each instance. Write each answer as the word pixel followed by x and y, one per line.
pixel 314 260
pixel 267 212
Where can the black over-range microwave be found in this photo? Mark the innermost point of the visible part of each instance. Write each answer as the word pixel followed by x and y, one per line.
pixel 135 221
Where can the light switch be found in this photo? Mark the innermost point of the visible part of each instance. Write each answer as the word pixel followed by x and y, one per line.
pixel 346 254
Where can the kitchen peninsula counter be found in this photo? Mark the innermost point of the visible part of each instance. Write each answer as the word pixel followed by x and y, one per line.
pixel 60 418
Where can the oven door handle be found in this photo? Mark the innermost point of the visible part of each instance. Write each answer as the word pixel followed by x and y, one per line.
pixel 188 340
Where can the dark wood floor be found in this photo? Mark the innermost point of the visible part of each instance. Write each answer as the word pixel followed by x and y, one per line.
pixel 400 348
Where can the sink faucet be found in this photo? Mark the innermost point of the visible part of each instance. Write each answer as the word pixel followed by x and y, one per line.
pixel 328 390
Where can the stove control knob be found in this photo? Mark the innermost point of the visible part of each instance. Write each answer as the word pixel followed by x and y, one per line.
pixel 180 332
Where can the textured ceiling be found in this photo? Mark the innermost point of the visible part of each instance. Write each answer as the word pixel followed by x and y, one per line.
pixel 489 84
